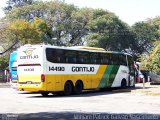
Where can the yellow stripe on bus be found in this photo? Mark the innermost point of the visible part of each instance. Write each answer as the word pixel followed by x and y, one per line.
pixel 56 82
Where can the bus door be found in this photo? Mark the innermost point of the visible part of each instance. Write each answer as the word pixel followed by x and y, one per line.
pixel 131 77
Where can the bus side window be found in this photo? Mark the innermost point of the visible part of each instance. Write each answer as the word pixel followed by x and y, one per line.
pixel 108 58
pixel 113 59
pixel 104 58
pixel 83 57
pixel 59 56
pixel 95 59
pixel 55 55
pixel 122 60
pixel 116 59
pixel 50 55
pixel 71 56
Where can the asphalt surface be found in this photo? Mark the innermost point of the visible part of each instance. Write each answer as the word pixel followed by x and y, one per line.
pixel 116 104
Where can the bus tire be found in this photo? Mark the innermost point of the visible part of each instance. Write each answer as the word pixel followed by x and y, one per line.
pixel 123 83
pixel 44 94
pixel 68 88
pixel 78 87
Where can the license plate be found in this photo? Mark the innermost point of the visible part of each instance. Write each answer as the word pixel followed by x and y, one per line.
pixel 29 82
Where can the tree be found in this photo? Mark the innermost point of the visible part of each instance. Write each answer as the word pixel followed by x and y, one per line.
pixel 11 4
pixel 108 32
pixel 145 35
pixel 78 28
pixel 27 32
pixel 151 62
pixel 68 24
pixel 151 32
pixel 3 62
pixel 5 45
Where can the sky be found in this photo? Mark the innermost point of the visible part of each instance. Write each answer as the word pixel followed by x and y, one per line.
pixel 129 11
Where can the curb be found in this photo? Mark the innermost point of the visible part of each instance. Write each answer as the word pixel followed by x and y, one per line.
pixel 4 85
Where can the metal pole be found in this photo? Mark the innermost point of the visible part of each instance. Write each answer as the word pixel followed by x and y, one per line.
pixel 143 83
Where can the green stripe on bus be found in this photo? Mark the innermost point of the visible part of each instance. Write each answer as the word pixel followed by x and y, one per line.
pixel 112 75
pixel 105 77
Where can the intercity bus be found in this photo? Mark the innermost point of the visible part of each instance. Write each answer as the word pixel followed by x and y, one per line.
pixel 13 69
pixel 50 69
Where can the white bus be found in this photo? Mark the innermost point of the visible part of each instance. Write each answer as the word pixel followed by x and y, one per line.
pixel 50 69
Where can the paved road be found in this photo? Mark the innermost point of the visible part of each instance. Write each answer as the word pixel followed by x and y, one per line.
pixel 26 105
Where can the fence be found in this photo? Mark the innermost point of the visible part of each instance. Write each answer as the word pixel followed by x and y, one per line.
pixel 4 76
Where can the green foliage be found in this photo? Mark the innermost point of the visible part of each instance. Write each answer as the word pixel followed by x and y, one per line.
pixel 154 21
pixel 108 32
pixel 27 32
pixel 4 62
pixel 67 24
pixel 41 28
pixel 145 34
pixel 58 23
pixel 152 62
pixel 11 4
pixel 78 27
pixel 6 39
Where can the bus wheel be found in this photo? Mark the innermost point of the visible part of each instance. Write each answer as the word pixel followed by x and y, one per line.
pixel 44 94
pixel 123 83
pixel 78 87
pixel 68 88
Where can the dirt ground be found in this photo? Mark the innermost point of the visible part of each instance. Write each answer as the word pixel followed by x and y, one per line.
pixel 153 90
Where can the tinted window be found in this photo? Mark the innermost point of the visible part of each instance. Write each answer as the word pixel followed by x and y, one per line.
pixel 105 58
pixel 70 56
pixel 83 57
pixel 122 60
pixel 114 59
pixel 55 55
pixel 95 58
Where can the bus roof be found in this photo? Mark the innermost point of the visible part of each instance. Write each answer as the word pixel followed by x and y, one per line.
pixel 80 48
pixel 88 48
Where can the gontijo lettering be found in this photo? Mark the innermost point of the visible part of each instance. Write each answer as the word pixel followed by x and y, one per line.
pixel 82 69
pixel 29 55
